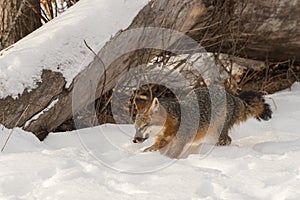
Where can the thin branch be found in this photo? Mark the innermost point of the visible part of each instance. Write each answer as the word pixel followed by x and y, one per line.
pixel 12 130
pixel 101 61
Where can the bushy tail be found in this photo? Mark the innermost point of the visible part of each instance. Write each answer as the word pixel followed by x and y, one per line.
pixel 256 106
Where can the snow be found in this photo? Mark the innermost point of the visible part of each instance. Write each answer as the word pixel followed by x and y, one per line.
pixel 59 45
pixel 263 162
pixel 51 105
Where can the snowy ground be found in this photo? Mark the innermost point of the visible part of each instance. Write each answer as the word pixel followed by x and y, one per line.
pixel 262 163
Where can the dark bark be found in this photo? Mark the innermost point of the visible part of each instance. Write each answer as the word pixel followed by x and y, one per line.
pixel 18 19
pixel 255 29
pixel 33 102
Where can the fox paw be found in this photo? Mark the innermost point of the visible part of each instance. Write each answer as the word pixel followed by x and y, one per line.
pixel 223 141
pixel 149 149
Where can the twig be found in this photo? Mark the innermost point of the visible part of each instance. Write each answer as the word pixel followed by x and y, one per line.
pixel 12 130
pixel 104 78
pixel 101 61
pixel 3 118
pixel 202 28
pixel 292 71
pixel 275 105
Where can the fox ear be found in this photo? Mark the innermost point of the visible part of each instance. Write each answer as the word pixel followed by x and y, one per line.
pixel 155 105
pixel 139 105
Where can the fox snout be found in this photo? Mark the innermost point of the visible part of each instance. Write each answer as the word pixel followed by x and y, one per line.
pixel 139 137
pixel 138 140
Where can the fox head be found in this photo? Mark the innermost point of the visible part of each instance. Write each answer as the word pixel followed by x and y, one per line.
pixel 149 121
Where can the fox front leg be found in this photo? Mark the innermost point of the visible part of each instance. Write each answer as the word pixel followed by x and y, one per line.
pixel 159 143
pixel 224 138
pixel 152 148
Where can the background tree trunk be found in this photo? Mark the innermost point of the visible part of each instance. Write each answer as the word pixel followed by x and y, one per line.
pixel 256 29
pixel 267 31
pixel 18 19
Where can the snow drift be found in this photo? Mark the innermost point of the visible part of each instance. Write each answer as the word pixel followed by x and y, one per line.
pixel 262 163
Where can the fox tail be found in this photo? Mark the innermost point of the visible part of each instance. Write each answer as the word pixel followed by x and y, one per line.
pixel 256 106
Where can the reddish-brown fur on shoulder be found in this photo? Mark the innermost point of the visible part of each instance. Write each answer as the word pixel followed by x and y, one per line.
pixel 171 126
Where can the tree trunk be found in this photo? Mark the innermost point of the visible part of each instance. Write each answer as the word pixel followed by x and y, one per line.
pixel 255 29
pixel 18 19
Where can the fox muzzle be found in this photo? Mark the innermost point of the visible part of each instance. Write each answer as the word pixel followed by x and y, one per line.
pixel 140 137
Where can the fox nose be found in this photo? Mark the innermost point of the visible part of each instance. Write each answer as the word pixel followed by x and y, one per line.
pixel 138 140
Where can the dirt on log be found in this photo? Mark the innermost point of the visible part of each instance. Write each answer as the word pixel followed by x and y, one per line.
pixel 255 29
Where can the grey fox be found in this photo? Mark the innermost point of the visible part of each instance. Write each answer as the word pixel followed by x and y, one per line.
pixel 162 119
